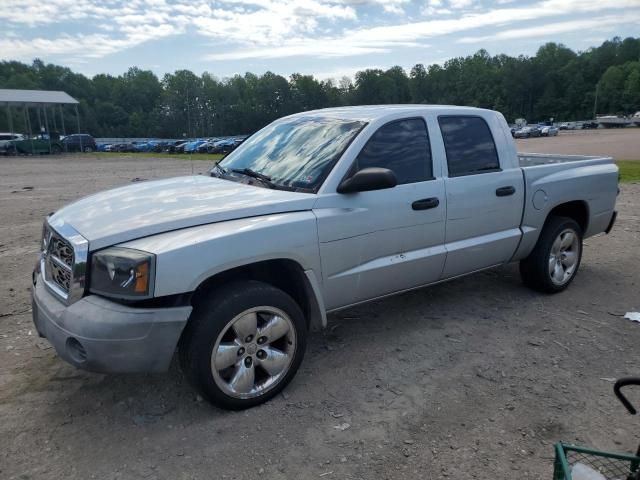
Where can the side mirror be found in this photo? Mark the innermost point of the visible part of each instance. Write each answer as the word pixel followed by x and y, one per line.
pixel 368 179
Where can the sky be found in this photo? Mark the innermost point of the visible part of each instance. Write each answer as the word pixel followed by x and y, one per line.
pixel 326 38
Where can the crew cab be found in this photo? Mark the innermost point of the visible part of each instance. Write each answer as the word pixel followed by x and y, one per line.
pixel 316 212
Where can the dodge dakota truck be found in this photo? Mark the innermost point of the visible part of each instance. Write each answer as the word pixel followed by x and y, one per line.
pixel 316 212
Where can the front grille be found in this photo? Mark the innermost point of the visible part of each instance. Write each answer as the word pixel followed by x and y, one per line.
pixel 63 261
pixel 58 260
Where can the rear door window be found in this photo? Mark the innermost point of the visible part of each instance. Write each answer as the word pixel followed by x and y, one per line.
pixel 469 145
pixel 401 146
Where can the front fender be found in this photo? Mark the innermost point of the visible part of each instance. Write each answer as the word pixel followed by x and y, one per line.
pixel 187 257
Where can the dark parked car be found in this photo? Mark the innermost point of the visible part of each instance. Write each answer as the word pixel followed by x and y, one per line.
pixel 79 142
pixel 527 132
pixel 589 125
pixel 125 147
pixel 179 148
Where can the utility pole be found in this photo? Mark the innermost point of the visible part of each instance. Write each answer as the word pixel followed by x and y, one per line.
pixel 188 114
pixel 595 101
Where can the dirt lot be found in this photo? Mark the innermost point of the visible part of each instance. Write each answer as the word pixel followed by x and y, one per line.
pixel 621 144
pixel 476 378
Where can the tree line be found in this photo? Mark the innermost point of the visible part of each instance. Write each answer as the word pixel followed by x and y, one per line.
pixel 556 83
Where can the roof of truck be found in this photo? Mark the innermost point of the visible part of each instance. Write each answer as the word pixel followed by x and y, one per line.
pixel 371 112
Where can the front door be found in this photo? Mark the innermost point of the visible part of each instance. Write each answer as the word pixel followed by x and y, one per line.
pixel 380 242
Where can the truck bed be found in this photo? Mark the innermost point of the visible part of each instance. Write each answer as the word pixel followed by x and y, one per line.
pixel 535 159
pixel 551 180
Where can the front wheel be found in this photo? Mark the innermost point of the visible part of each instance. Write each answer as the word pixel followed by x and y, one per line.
pixel 554 261
pixel 88 149
pixel 243 344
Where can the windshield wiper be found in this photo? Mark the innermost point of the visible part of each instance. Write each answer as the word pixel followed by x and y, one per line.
pixel 266 179
pixel 220 169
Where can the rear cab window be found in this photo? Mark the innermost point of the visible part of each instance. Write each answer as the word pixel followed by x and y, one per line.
pixel 403 147
pixel 469 145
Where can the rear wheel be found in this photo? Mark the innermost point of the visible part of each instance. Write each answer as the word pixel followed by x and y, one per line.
pixel 88 149
pixel 55 150
pixel 243 344
pixel 554 261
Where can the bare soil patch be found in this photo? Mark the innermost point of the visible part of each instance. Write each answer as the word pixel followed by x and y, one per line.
pixel 619 143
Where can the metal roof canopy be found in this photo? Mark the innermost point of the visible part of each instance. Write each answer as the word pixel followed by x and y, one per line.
pixel 41 100
pixel 35 97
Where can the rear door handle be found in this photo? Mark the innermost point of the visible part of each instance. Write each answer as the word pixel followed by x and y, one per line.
pixel 425 203
pixel 505 191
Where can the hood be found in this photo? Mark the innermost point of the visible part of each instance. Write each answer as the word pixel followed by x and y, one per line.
pixel 149 208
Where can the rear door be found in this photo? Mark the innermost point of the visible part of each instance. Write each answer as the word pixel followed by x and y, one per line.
pixel 379 242
pixel 485 195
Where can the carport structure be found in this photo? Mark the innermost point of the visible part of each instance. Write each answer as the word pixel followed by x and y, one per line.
pixel 45 103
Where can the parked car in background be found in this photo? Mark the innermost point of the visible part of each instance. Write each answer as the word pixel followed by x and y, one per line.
pixel 224 146
pixel 170 147
pixel 204 147
pixel 568 126
pixel 548 131
pixel 143 146
pixel 316 212
pixel 5 139
pixel 589 125
pixel 4 136
pixel 192 146
pixel 127 147
pixel 36 144
pixel 158 146
pixel 179 147
pixel 79 142
pixel 527 132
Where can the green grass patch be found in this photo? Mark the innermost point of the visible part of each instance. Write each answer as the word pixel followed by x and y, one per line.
pixel 209 157
pixel 629 170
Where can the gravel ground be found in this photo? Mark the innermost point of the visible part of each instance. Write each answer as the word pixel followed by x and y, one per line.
pixel 619 143
pixel 475 378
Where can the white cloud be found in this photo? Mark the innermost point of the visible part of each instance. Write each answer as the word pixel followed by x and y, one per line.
pixel 385 38
pixel 460 4
pixel 248 29
pixel 544 31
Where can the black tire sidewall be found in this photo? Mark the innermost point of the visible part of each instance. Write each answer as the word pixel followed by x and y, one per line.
pixel 535 268
pixel 212 314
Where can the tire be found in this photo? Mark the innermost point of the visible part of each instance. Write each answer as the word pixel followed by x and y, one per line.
pixel 55 150
pixel 559 247
pixel 88 149
pixel 241 374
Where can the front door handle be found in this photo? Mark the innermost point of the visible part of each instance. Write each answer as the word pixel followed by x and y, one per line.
pixel 425 203
pixel 505 191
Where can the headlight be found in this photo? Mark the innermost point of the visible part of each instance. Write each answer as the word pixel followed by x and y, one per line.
pixel 122 273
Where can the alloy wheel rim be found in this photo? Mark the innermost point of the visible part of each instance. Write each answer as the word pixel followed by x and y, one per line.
pixel 563 258
pixel 254 352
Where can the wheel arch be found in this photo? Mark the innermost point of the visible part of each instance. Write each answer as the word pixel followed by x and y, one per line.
pixel 283 273
pixel 577 210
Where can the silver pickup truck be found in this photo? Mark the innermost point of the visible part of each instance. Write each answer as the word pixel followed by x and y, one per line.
pixel 316 212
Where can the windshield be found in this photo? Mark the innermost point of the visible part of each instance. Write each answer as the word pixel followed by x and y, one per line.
pixel 294 154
